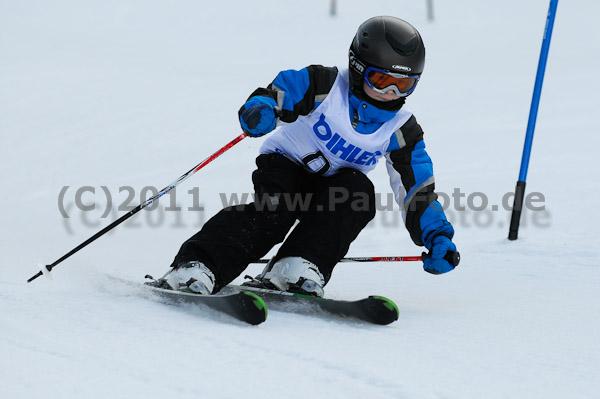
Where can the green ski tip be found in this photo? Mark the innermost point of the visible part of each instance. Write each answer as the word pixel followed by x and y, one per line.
pixel 389 304
pixel 258 302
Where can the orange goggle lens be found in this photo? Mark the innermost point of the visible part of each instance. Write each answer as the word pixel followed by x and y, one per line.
pixel 381 81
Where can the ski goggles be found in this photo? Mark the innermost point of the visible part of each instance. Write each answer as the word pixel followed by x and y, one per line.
pixel 383 81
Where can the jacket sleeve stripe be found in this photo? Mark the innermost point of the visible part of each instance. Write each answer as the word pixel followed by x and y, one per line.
pixel 410 164
pixel 415 190
pixel 280 95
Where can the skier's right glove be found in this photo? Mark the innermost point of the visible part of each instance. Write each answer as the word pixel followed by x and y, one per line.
pixel 257 116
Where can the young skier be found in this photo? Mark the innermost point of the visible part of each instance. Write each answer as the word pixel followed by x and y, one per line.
pixel 334 126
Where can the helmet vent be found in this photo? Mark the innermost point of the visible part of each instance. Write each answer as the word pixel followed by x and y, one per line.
pixel 405 49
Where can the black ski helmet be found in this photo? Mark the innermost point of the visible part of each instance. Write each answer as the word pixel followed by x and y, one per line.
pixel 387 43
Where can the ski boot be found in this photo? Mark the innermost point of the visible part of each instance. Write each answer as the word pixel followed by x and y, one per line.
pixel 291 274
pixel 192 277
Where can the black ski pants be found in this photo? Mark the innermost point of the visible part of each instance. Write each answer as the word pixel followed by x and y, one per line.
pixel 331 212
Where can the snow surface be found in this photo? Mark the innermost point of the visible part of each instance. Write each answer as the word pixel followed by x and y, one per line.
pixel 134 93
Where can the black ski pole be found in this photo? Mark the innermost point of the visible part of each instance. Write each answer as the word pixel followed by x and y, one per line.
pixel 47 268
pixel 452 256
pixel 369 259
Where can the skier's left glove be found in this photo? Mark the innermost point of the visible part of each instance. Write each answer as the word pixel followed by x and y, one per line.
pixel 257 116
pixel 443 256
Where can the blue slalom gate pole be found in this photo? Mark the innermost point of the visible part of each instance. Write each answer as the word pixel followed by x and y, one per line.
pixel 515 219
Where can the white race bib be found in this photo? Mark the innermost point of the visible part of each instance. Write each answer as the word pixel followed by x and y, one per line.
pixel 325 141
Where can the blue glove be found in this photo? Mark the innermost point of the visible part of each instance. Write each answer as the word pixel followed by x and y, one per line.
pixel 257 116
pixel 442 258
